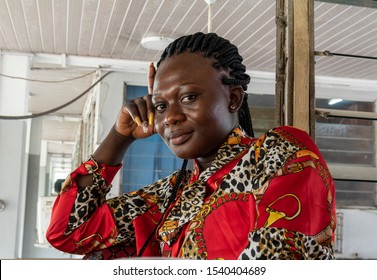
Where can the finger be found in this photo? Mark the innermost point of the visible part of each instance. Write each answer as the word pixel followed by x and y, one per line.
pixel 151 74
pixel 150 109
pixel 142 110
pixel 133 110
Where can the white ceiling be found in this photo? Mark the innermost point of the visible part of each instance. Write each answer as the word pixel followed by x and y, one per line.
pixel 59 32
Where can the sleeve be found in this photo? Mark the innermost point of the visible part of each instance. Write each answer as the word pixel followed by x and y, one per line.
pixel 296 204
pixel 84 222
pixel 80 220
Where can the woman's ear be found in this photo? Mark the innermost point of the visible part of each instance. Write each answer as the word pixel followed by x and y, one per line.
pixel 235 98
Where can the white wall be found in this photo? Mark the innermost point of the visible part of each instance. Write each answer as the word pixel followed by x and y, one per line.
pixel 358 234
pixel 13 158
pixel 12 167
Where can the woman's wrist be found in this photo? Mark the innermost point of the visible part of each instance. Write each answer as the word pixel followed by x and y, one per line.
pixel 120 136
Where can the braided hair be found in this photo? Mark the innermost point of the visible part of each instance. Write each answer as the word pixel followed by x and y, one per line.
pixel 226 56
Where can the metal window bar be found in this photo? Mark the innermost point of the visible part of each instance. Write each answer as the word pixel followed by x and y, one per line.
pixel 346 114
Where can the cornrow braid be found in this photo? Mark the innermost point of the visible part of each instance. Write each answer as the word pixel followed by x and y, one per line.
pixel 226 55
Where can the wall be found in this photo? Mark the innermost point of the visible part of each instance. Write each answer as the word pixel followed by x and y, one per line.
pixel 109 100
pixel 34 190
pixel 12 165
pixel 358 234
pixel 13 149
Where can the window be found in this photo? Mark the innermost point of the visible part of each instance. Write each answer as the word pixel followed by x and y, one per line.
pixel 346 140
pixel 348 146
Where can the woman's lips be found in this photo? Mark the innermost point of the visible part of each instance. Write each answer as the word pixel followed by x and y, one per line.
pixel 179 137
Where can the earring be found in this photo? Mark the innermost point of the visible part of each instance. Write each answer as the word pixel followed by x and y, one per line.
pixel 233 107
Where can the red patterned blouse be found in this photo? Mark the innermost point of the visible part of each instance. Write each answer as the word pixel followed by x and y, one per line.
pixel 266 198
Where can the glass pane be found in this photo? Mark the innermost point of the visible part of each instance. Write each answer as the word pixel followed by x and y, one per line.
pixel 262 110
pixel 353 193
pixel 345 140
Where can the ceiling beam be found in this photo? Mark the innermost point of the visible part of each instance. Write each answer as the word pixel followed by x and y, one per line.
pixel 134 66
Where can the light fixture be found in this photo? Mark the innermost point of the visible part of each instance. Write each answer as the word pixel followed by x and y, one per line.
pixel 156 42
pixel 334 101
pixel 209 25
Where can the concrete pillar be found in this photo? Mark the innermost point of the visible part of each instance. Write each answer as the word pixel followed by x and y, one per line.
pixel 32 193
pixel 13 153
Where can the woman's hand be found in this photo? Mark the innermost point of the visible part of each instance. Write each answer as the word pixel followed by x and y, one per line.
pixel 136 118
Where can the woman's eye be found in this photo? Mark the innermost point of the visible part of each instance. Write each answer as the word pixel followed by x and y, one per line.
pixel 159 107
pixel 188 98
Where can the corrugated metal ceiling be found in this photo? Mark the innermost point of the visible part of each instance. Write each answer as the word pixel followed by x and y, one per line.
pixel 114 29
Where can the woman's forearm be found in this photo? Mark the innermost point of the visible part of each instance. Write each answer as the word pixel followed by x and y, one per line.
pixel 113 148
pixel 110 152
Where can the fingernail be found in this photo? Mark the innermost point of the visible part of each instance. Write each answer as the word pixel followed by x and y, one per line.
pixel 145 127
pixel 151 118
pixel 138 121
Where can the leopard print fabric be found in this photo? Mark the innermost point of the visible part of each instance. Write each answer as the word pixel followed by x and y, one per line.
pixel 280 244
pixel 266 159
pixel 127 207
pixel 119 251
pixel 89 198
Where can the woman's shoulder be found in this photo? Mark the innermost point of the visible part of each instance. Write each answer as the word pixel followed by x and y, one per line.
pixel 289 133
pixel 292 136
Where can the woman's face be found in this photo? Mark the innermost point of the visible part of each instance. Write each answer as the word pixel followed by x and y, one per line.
pixel 192 106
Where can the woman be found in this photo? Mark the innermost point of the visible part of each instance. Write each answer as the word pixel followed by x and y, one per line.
pixel 246 198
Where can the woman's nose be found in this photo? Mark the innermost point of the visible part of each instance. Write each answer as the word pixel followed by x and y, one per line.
pixel 173 115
